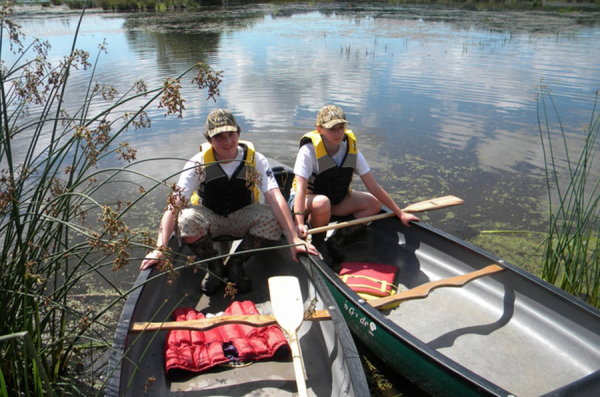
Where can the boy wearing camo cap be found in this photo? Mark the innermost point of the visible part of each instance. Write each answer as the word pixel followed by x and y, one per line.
pixel 326 162
pixel 224 202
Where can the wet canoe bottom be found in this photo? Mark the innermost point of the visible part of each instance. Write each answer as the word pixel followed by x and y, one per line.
pixel 270 378
pixel 467 332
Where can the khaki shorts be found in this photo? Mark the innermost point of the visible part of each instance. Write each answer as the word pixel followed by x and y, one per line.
pixel 256 219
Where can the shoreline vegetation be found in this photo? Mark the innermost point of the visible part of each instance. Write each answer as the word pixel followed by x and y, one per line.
pixel 57 228
pixel 175 5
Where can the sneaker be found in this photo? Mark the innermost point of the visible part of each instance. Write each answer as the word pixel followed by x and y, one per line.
pixel 237 276
pixel 213 279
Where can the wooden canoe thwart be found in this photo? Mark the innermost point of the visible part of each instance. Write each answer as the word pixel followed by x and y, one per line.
pixel 423 291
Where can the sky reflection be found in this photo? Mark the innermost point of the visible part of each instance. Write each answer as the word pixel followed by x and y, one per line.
pixel 413 81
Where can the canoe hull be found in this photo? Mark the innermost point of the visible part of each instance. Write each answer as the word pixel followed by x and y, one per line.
pixel 332 362
pixel 510 333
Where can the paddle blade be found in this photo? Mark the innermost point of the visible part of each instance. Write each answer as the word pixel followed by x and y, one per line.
pixel 434 204
pixel 286 301
pixel 288 309
pixel 421 206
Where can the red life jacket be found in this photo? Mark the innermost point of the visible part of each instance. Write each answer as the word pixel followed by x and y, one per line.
pixel 189 352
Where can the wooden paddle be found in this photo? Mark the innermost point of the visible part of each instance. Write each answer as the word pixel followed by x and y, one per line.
pixel 255 320
pixel 428 205
pixel 288 309
pixel 422 291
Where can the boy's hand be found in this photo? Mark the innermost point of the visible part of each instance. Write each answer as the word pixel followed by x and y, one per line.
pixel 152 259
pixel 302 231
pixel 407 218
pixel 304 247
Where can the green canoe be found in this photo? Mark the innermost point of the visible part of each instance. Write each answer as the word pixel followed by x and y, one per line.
pixel 505 334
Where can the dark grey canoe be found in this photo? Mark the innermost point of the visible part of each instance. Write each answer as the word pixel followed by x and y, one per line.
pixel 501 335
pixel 331 360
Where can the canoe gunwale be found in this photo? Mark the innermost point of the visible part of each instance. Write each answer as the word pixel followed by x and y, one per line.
pixel 341 329
pixel 121 335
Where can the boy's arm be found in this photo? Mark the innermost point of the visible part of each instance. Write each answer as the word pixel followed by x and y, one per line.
pixel 376 190
pixel 282 213
pixel 300 206
pixel 167 225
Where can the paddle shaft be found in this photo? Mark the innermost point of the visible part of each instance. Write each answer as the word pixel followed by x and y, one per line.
pixel 427 205
pixel 298 363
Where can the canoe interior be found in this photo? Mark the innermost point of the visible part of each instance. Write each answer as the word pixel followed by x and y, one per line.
pixel 504 334
pixel 331 361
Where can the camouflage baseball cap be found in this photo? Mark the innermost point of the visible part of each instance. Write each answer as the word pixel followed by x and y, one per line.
pixel 220 120
pixel 330 115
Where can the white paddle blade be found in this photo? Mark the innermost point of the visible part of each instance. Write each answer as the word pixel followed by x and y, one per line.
pixel 286 301
pixel 288 309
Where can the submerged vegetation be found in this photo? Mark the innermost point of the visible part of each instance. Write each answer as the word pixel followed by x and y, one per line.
pixel 567 254
pixel 54 229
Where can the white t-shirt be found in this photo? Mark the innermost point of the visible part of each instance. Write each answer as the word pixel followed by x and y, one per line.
pixel 306 161
pixel 189 180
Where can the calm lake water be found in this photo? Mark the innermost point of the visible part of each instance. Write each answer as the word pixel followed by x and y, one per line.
pixel 441 98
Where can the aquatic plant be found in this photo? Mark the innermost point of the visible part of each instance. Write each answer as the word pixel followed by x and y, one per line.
pixel 55 157
pixel 572 247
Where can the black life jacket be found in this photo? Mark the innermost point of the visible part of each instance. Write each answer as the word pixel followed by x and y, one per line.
pixel 221 194
pixel 331 180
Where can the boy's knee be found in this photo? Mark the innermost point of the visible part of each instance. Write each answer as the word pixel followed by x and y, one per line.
pixel 188 229
pixel 373 206
pixel 191 239
pixel 376 205
pixel 321 204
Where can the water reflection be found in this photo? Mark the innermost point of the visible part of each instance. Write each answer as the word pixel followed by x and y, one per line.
pixel 430 90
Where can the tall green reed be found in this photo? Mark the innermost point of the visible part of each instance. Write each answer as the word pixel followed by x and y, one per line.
pixel 572 248
pixel 50 239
